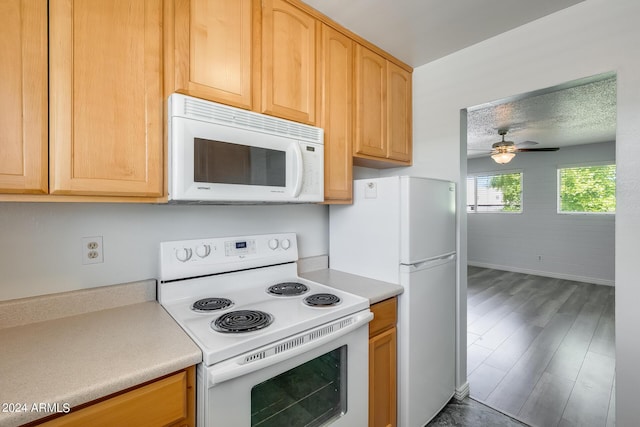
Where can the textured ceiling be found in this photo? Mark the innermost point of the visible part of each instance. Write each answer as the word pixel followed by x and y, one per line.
pixel 420 31
pixel 580 112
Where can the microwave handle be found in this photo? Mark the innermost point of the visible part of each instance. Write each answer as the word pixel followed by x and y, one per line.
pixel 299 170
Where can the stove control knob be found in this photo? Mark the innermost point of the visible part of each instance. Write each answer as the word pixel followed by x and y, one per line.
pixel 273 244
pixel 286 244
pixel 184 254
pixel 203 251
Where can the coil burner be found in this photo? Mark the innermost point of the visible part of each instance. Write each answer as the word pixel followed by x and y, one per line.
pixel 206 305
pixel 322 300
pixel 242 321
pixel 287 289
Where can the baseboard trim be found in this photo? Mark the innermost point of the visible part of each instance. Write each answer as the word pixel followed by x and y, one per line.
pixel 543 273
pixel 462 392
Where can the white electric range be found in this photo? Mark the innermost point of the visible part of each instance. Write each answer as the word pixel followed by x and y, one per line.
pixel 278 349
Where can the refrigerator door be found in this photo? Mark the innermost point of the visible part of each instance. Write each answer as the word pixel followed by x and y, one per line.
pixel 426 340
pixel 427 219
pixel 364 236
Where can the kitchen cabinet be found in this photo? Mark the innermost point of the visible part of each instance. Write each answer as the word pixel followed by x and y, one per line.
pixel 23 105
pixel 288 62
pixel 382 364
pixel 252 54
pixel 336 114
pixel 212 49
pixel 169 401
pixel 383 111
pixel 399 113
pixel 106 103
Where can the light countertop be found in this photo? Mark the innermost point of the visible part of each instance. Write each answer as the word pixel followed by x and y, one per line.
pixel 374 290
pixel 79 358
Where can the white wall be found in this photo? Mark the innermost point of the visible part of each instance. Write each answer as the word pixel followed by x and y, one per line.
pixel 590 38
pixel 40 243
pixel 574 247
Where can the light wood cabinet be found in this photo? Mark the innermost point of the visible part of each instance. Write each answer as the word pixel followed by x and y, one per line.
pixel 166 402
pixel 212 49
pixel 336 114
pixel 106 103
pixel 288 62
pixel 371 103
pixel 399 113
pixel 382 364
pixel 383 111
pixel 23 104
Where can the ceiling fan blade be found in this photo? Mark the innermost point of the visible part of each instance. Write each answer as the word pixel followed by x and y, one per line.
pixel 526 144
pixel 525 150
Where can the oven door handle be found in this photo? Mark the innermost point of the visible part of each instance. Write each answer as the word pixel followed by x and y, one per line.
pixel 272 354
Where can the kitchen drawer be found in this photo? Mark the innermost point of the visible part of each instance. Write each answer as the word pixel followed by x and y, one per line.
pixel 384 316
pixel 165 402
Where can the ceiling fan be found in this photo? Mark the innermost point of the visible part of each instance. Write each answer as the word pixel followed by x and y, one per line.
pixel 504 151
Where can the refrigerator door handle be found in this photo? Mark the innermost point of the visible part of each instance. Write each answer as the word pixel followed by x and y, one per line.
pixel 429 263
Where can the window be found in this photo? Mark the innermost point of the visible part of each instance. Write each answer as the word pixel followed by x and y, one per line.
pixel 495 193
pixel 587 189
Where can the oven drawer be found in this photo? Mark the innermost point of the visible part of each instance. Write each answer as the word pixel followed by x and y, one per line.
pixel 384 316
pixel 165 402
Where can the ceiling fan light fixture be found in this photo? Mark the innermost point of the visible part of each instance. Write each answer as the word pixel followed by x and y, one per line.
pixel 503 157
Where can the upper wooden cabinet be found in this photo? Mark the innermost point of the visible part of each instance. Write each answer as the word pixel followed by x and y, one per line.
pixel 336 113
pixel 371 103
pixel 288 62
pixel 23 104
pixel 399 113
pixel 106 103
pixel 212 56
pixel 383 111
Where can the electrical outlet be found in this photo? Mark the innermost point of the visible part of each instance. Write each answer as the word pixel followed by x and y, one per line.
pixel 92 250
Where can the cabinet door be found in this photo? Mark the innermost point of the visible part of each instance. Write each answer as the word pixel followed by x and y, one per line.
pixel 336 116
pixel 106 115
pixel 371 103
pixel 23 104
pixel 166 402
pixel 399 113
pixel 288 62
pixel 213 47
pixel 382 379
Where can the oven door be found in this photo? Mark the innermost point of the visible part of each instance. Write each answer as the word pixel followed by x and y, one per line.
pixel 317 383
pixel 213 162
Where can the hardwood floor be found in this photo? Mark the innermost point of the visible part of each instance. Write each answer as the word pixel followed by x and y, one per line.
pixel 541 349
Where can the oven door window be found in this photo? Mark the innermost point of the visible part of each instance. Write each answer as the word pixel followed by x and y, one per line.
pixel 311 394
pixel 218 162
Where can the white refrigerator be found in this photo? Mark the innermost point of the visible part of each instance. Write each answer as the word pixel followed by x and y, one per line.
pixel 403 230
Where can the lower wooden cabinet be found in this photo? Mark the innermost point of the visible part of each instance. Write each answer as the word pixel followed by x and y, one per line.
pixel 382 364
pixel 169 402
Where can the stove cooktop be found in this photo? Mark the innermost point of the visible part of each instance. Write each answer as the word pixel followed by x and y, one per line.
pixel 239 295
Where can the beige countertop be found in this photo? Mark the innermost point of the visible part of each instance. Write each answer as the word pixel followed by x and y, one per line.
pixel 79 358
pixel 374 290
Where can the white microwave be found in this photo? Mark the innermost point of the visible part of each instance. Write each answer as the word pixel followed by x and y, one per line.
pixel 221 154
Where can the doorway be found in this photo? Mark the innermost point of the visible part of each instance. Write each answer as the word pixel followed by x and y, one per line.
pixel 540 295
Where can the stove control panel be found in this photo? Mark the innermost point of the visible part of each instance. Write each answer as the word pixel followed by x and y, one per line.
pixel 241 247
pixel 190 258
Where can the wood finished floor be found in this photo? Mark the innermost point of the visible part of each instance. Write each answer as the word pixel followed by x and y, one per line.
pixel 541 349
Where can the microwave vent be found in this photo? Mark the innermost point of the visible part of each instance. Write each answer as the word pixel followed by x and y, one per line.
pixel 236 117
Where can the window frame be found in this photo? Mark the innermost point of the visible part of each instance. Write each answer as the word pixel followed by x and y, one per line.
pixel 582 165
pixel 475 176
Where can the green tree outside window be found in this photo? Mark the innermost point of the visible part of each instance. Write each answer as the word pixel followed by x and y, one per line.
pixel 590 189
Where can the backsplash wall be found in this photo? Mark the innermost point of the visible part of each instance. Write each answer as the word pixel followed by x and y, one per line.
pixel 41 243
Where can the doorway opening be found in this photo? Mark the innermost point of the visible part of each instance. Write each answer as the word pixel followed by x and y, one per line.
pixel 540 250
